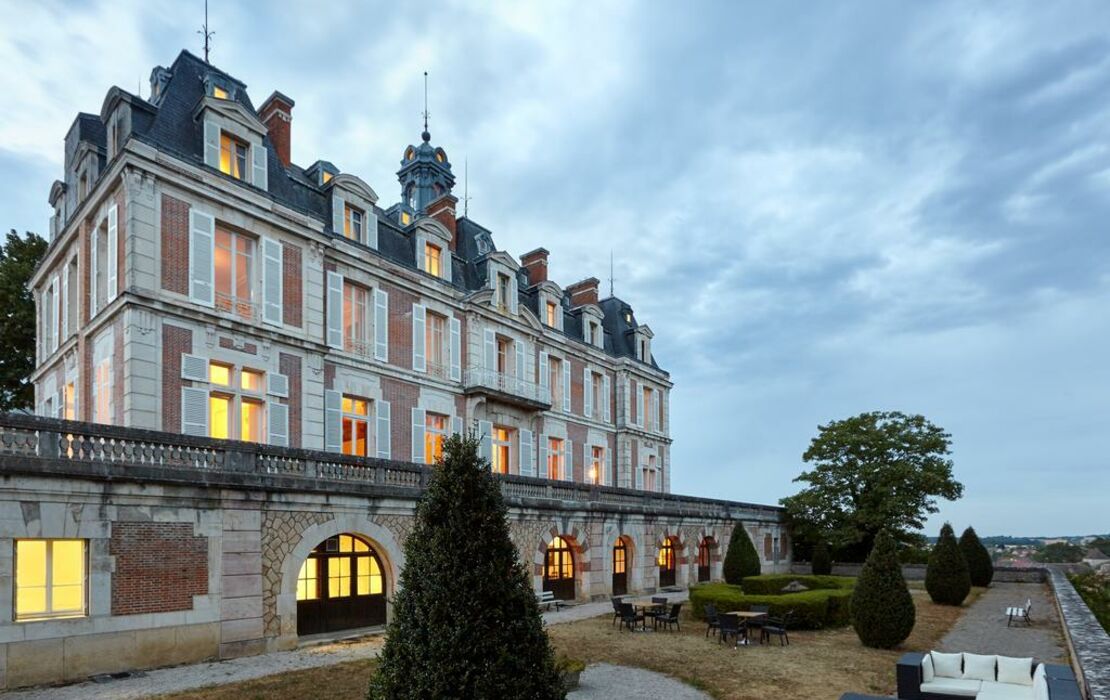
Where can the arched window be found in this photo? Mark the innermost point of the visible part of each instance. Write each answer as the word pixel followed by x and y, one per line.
pixel 410 196
pixel 558 570
pixel 704 559
pixel 620 567
pixel 666 563
pixel 340 586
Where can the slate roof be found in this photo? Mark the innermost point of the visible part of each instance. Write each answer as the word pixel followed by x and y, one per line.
pixel 170 127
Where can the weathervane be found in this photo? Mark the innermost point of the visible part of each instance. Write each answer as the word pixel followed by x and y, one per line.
pixel 466 188
pixel 203 31
pixel 426 136
pixel 611 278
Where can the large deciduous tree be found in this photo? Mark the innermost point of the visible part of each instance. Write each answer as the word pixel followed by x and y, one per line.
pixel 872 471
pixel 466 623
pixel 18 257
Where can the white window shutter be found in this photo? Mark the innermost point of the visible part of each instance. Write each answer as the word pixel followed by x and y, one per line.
pixel 418 417
pixel 485 440
pixel 513 296
pixel 370 228
pixel 419 352
pixel 519 347
pixel 277 384
pixel 545 381
pixel 542 457
pixel 278 422
pixel 272 274
pixel 456 350
pixel 94 266
pixel 194 368
pixel 526 466
pixel 211 144
pixel 333 421
pixel 568 460
pixel 55 312
pixel 335 310
pixel 194 411
pixel 606 398
pixel 338 212
pixel 64 322
pixel 655 410
pixel 113 253
pixel 381 325
pixel 566 385
pixel 384 441
pixel 491 348
pixel 202 261
pixel 260 166
pixel 456 425
pixel 587 392
pixel 639 476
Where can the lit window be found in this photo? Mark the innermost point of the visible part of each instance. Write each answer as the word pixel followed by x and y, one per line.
pixel 339 577
pixel 219 416
pixel 502 442
pixel 597 462
pixel 307 580
pixel 219 93
pixel 356 318
pixel 219 374
pixel 406 218
pixel 234 265
pixel 250 380
pixel 555 458
pixel 440 157
pixel 435 432
pixel 356 426
pixel 435 347
pixel 432 259
pixel 552 308
pixel 325 177
pixel 70 401
pixel 619 552
pixel 369 572
pixel 352 223
pixel 503 349
pixel 49 578
pixel 502 291
pixel 250 413
pixel 233 156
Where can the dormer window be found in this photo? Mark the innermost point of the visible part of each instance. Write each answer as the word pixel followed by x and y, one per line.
pixel 440 157
pixel 352 223
pixel 644 356
pixel 551 316
pixel 406 218
pixel 83 186
pixel 432 259
pixel 233 156
pixel 595 334
pixel 503 288
pixel 219 93
pixel 325 177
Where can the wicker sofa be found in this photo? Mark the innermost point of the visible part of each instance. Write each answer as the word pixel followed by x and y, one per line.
pixel 940 676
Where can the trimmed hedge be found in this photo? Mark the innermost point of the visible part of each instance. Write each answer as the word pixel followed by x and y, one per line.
pixel 946 578
pixel 741 559
pixel 979 564
pixel 813 610
pixel 883 607
pixel 772 584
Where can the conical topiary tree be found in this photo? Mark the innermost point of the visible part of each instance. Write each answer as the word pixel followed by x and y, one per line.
pixel 466 623
pixel 882 607
pixel 741 559
pixel 822 561
pixel 979 564
pixel 946 576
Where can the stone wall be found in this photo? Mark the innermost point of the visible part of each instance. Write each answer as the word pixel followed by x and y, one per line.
pixel 916 572
pixel 1088 642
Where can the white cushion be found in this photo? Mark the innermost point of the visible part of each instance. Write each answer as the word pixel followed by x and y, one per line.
pixel 1040 687
pixel 952 686
pixel 948 665
pixel 927 672
pixel 1013 670
pixel 979 667
pixel 1004 691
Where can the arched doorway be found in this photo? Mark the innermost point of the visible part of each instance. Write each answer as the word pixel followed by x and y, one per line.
pixel 620 567
pixel 705 553
pixel 340 586
pixel 558 569
pixel 666 563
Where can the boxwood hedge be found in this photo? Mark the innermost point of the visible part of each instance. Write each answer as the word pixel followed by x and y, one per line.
pixel 772 584
pixel 815 609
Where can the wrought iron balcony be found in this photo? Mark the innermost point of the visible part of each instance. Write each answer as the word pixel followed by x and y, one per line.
pixel 506 388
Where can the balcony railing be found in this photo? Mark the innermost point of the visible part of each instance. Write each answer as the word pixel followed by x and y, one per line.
pixel 243 308
pixel 506 386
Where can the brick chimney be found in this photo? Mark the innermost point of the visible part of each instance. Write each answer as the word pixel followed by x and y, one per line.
pixel 443 211
pixel 535 263
pixel 584 292
pixel 277 114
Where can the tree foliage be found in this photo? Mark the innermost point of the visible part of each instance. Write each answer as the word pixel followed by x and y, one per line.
pixel 466 623
pixel 18 258
pixel 882 607
pixel 979 564
pixel 1060 553
pixel 872 471
pixel 822 560
pixel 741 559
pixel 946 577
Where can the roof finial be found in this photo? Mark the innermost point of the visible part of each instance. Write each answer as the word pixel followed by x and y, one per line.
pixel 466 188
pixel 611 278
pixel 426 136
pixel 203 31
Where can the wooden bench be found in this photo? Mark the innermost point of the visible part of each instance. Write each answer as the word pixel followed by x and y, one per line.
pixel 548 598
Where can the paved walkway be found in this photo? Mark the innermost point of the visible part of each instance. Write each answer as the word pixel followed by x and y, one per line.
pixel 608 682
pixel 180 678
pixel 982 628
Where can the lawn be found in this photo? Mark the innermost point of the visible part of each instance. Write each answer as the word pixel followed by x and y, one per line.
pixel 821 664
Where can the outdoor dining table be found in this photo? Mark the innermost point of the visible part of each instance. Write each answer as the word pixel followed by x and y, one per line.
pixel 744 616
pixel 645 604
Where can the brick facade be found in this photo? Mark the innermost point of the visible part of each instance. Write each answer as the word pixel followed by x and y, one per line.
pixel 159 567
pixel 400 326
pixel 175 342
pixel 175 245
pixel 402 397
pixel 290 366
pixel 292 290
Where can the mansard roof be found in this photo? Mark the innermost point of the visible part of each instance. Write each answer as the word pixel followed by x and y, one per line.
pixel 169 124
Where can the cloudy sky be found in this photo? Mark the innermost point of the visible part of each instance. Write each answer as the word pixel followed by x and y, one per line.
pixel 819 208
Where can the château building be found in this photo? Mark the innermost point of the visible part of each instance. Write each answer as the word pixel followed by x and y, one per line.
pixel 243 365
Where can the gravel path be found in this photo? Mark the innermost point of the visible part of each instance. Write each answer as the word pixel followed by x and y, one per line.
pixel 982 628
pixel 607 682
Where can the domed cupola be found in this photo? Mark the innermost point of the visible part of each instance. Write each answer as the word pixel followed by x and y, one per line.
pixel 425 175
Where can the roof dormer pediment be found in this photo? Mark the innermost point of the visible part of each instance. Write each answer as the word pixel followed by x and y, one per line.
pixel 354 185
pixel 232 110
pixel 503 258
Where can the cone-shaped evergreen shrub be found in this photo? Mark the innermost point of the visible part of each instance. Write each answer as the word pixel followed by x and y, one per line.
pixel 946 576
pixel 741 559
pixel 822 561
pixel 466 623
pixel 882 607
pixel 979 564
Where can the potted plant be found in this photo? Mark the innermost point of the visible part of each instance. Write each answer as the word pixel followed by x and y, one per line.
pixel 569 671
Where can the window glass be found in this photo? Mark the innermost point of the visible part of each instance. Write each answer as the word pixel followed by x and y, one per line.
pixel 503 355
pixel 356 318
pixel 502 442
pixel 597 460
pixel 339 577
pixel 219 374
pixel 352 223
pixel 219 93
pixel 251 428
pixel 219 416
pixel 49 578
pixel 234 263
pixel 356 426
pixel 555 458
pixel 432 259
pixel 233 156
pixel 306 580
pixel 435 432
pixel 435 327
pixel 551 309
pixel 250 380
